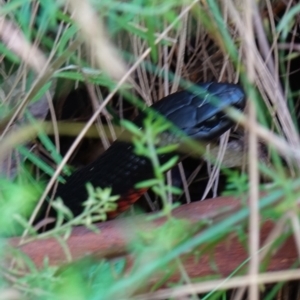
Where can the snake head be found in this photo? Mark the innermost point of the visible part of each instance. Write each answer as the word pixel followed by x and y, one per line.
pixel 200 114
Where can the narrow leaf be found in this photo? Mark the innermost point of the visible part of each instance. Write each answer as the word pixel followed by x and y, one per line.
pixel 131 127
pixel 174 190
pixel 167 149
pixel 169 164
pixel 157 190
pixel 146 183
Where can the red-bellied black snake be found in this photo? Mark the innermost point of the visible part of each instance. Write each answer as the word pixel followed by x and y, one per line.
pixel 200 115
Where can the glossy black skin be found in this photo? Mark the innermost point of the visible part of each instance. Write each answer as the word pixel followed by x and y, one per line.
pixel 199 115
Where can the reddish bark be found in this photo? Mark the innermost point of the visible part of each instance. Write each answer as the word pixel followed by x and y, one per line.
pixel 115 236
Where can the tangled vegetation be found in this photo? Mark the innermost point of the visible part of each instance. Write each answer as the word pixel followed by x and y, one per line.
pixel 71 71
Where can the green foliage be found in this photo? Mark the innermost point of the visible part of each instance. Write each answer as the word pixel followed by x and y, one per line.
pixel 99 203
pixel 87 279
pixel 286 23
pixel 48 25
pixel 237 183
pixel 149 143
pixel 17 200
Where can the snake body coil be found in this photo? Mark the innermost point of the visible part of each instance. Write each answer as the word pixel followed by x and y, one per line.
pixel 200 115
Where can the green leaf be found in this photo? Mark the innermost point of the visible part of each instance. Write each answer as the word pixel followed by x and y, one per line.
pixel 38 162
pixel 48 144
pixel 147 183
pixel 161 125
pixel 103 194
pixel 174 190
pixel 167 149
pixel 72 75
pixel 16 198
pixel 12 6
pixel 110 206
pixel 169 164
pixel 59 206
pixel 41 92
pixel 131 127
pixel 285 22
pixel 150 24
pixel 157 190
pixel 9 54
pixel 139 147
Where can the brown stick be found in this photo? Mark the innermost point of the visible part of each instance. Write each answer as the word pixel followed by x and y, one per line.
pixel 115 237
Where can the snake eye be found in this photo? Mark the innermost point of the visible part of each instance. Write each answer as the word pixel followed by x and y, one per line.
pixel 213 121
